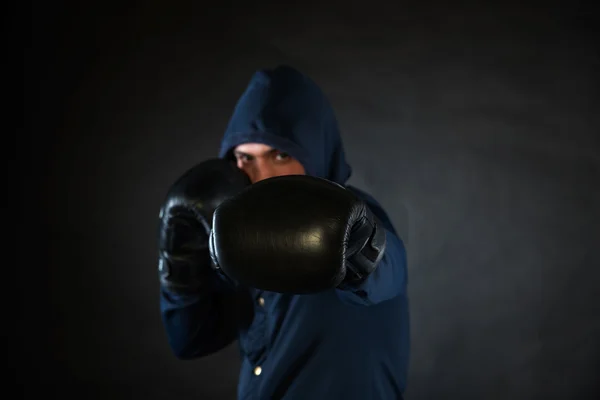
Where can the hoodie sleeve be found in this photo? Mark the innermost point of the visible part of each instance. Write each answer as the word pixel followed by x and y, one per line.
pixel 200 324
pixel 390 279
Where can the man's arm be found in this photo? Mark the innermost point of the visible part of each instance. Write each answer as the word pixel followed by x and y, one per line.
pixel 202 323
pixel 390 277
pixel 197 306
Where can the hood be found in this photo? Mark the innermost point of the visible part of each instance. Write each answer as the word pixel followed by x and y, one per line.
pixel 285 109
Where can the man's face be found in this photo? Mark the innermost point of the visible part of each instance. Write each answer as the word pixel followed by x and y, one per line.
pixel 260 161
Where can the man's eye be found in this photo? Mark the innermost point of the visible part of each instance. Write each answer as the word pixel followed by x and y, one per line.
pixel 282 156
pixel 244 157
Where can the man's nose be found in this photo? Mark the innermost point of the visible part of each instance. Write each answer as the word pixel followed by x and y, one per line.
pixel 263 171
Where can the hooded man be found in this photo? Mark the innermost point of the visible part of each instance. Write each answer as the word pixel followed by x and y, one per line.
pixel 267 245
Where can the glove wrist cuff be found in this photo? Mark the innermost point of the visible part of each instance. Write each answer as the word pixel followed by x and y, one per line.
pixel 182 276
pixel 366 248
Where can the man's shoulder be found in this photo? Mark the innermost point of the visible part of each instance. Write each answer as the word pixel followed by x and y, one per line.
pixel 366 197
pixel 362 194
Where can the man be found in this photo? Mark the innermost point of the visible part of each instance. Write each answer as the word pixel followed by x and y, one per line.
pixel 307 273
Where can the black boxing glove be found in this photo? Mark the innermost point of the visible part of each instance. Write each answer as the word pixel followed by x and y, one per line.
pixel 186 220
pixel 296 234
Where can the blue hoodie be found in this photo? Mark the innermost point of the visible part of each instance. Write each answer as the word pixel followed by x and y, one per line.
pixel 339 344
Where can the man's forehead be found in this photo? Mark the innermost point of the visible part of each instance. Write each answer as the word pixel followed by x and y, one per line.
pixel 253 148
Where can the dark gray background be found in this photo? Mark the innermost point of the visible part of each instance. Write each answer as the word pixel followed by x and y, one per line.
pixel 477 128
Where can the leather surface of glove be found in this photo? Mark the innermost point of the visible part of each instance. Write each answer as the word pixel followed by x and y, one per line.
pixel 296 234
pixel 185 222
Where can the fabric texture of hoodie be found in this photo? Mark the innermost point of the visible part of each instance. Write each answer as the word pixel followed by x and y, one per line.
pixel 350 343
